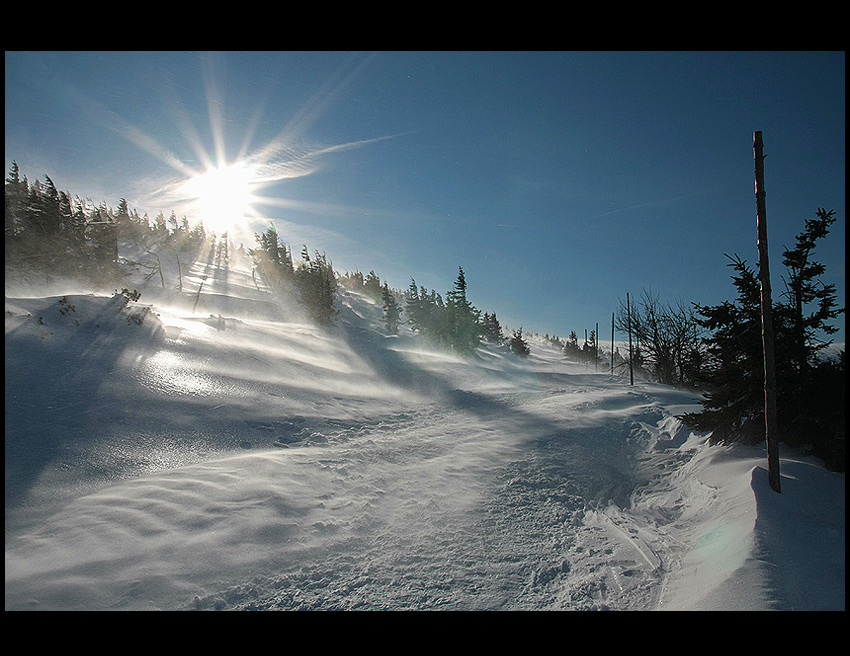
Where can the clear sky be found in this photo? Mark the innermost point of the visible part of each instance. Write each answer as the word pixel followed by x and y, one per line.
pixel 559 181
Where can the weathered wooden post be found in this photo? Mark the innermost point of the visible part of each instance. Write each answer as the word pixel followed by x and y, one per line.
pixel 770 417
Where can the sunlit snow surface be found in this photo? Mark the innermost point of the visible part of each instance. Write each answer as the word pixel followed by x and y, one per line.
pixel 227 454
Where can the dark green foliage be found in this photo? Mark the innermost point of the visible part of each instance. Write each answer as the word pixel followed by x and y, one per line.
pixel 810 389
pixel 424 310
pixel 46 232
pixel 50 232
pixel 455 323
pixel 317 285
pixel 273 258
pixel 733 406
pixel 571 347
pixel 372 286
pixel 392 311
pixel 461 327
pixel 804 289
pixel 589 350
pixel 491 330
pixel 820 419
pixel 518 345
pixel 413 307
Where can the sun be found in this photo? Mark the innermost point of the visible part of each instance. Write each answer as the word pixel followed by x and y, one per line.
pixel 223 196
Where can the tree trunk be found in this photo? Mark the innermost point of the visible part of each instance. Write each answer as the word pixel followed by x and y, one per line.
pixel 770 417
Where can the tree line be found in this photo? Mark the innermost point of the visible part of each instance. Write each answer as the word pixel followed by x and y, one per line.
pixel 450 320
pixel 52 232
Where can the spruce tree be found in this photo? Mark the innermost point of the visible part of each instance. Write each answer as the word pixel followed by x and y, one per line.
pixel 805 288
pixel 413 306
pixel 392 311
pixel 571 347
pixel 810 393
pixel 372 286
pixel 273 258
pixel 491 330
pixel 518 344
pixel 317 287
pixel 461 326
pixel 733 405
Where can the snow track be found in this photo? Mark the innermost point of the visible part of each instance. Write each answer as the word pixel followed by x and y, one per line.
pixel 249 460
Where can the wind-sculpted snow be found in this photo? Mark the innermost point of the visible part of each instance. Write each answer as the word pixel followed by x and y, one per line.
pixel 227 459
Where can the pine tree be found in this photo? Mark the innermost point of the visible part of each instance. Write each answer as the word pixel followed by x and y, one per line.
pixel 392 311
pixel 425 311
pixel 317 287
pixel 810 409
pixel 413 306
pixel 518 344
pixel 433 313
pixel 273 258
pixel 733 406
pixel 491 330
pixel 804 288
pixel 372 286
pixel 122 215
pixel 571 347
pixel 461 326
pixel 103 234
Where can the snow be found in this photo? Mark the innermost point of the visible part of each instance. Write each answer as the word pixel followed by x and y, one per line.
pixel 217 451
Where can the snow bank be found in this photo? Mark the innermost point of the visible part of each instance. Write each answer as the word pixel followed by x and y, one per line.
pixel 213 450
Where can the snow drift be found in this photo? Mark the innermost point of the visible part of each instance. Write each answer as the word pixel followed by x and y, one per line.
pixel 212 449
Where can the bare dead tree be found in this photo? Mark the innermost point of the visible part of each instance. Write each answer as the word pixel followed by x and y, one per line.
pixel 669 337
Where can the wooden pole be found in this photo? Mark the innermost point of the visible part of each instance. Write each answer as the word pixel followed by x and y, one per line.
pixel 612 345
pixel 596 349
pixel 629 318
pixel 770 415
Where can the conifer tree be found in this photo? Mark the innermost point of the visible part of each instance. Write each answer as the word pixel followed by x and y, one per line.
pixel 16 193
pixel 317 287
pixel 804 289
pixel 392 311
pixel 413 306
pixel 273 258
pixel 491 330
pixel 810 392
pixel 461 326
pixel 518 344
pixel 372 286
pixel 571 347
pixel 733 406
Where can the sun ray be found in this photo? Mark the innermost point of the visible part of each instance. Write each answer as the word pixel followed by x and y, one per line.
pixel 225 193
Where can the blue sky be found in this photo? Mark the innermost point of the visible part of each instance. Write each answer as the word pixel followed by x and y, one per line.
pixel 559 181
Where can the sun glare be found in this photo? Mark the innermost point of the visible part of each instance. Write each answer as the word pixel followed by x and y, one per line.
pixel 223 196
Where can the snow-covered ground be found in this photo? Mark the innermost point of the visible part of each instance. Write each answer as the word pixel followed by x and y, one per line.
pixel 215 450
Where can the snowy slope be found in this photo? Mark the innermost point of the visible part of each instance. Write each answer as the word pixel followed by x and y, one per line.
pixel 211 449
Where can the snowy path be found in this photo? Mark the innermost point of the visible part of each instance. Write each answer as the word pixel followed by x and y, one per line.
pixel 249 460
